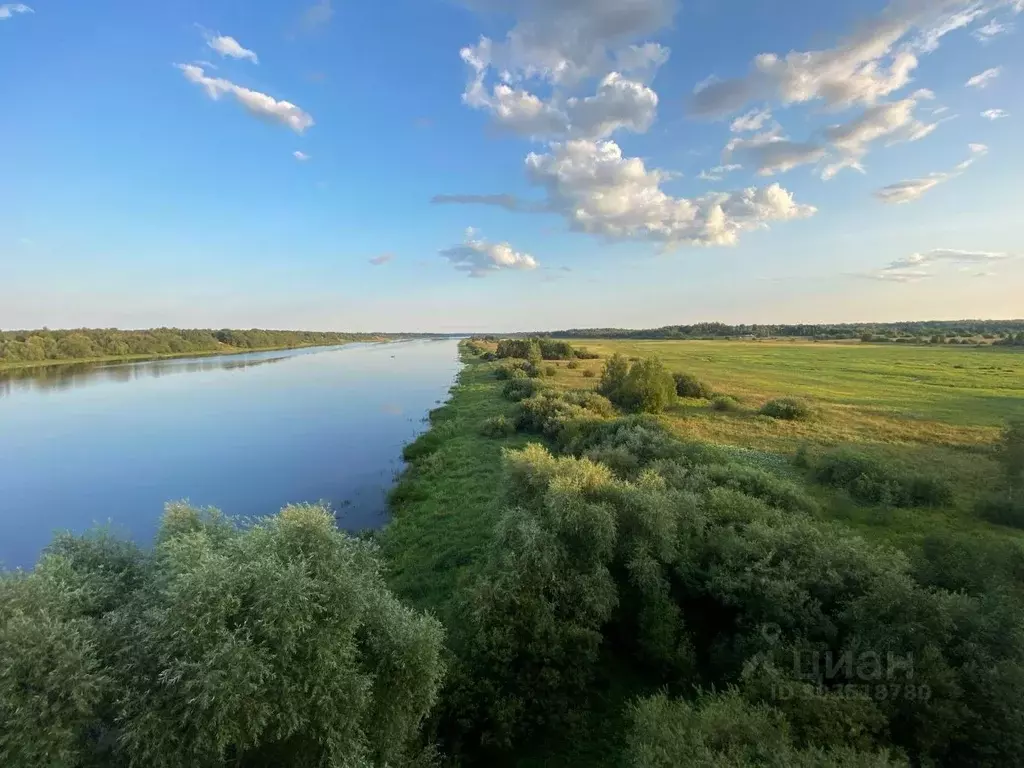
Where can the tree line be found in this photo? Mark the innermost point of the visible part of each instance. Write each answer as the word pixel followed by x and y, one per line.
pixel 924 330
pixel 84 343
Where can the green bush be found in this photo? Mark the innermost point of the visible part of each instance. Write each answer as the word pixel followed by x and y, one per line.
pixel 497 426
pixel 1002 508
pixel 688 385
pixel 510 369
pixel 589 374
pixel 869 480
pixel 550 370
pixel 724 403
pixel 722 730
pixel 643 387
pixel 786 408
pixel 271 643
pixel 572 365
pixel 1011 453
pixel 520 388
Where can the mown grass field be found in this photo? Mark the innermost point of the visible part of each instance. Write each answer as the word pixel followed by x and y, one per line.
pixel 935 408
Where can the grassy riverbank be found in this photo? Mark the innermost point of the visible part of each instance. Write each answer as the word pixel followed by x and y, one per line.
pixel 444 505
pixel 459 547
pixel 226 350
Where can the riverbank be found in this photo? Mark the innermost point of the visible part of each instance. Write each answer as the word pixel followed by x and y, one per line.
pixel 227 350
pixel 444 504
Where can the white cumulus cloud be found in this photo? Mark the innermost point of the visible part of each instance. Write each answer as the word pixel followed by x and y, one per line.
pixel 257 104
pixel 872 63
pixel 984 79
pixel 995 114
pixel 228 46
pixel 480 258
pixel 601 192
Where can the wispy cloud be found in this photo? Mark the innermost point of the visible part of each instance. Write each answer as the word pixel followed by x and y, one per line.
pixel 508 202
pixel 315 16
pixel 995 114
pixel 915 267
pixel 7 10
pixel 226 45
pixel 382 259
pixel 257 104
pixel 718 172
pixel 993 29
pixel 911 189
pixel 299 155
pixel 984 79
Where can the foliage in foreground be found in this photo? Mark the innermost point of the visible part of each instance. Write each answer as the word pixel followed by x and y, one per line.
pixel 693 571
pixel 725 731
pixel 275 643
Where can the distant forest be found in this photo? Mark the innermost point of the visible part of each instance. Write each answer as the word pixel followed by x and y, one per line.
pixel 86 343
pixel 1006 332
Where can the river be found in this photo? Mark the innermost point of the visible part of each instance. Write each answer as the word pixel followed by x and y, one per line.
pixel 111 444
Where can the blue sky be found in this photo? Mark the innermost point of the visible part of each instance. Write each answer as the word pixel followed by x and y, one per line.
pixel 590 154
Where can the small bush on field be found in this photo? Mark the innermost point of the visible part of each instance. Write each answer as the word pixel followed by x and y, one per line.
pixel 869 480
pixel 520 388
pixel 589 374
pixel 552 413
pixel 572 365
pixel 550 370
pixel 1002 509
pixel 508 369
pixel 688 385
pixel 724 403
pixel 786 408
pixel 802 457
pixel 586 354
pixel 497 426
pixel 643 387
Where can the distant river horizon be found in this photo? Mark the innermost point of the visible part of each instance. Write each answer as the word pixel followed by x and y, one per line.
pixel 110 443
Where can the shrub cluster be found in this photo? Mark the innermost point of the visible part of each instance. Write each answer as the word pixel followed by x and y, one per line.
pixel 691 570
pixel 498 426
pixel 520 388
pixel 272 643
pixel 869 480
pixel 644 386
pixel 724 403
pixel 541 347
pixel 786 408
pixel 688 385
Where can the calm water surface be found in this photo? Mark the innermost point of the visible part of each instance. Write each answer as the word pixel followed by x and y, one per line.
pixel 81 445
